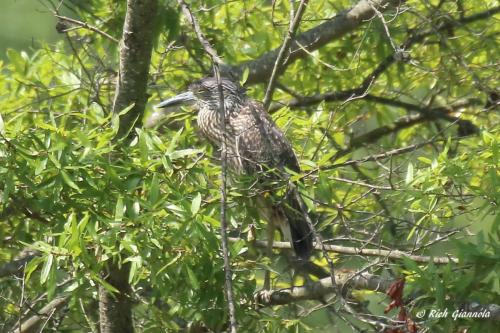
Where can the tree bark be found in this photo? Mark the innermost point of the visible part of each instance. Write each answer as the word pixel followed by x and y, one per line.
pixel 115 310
pixel 260 69
pixel 135 56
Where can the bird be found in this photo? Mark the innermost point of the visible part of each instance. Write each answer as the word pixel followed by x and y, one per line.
pixel 256 147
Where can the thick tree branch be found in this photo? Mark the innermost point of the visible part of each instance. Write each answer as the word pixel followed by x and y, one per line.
pixel 16 266
pixel 32 324
pixel 400 54
pixel 135 55
pixel 115 311
pixel 261 68
pixel 320 289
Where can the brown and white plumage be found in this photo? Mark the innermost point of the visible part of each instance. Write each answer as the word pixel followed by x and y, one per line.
pixel 255 146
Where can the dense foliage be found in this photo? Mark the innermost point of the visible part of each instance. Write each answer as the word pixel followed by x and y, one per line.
pixel 80 198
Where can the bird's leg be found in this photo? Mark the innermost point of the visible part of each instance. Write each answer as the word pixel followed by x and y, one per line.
pixel 269 253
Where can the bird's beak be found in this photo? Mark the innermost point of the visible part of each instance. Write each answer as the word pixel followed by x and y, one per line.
pixel 182 99
pixel 167 107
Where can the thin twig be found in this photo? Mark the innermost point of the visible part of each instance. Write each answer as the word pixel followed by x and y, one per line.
pixel 280 59
pixel 216 61
pixel 201 37
pixel 22 297
pixel 223 224
pixel 390 254
pixel 86 26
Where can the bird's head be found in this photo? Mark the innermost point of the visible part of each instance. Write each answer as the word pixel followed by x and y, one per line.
pixel 205 93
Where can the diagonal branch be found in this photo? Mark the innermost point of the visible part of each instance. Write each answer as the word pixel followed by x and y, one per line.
pixel 86 26
pixel 32 324
pixel 313 39
pixel 400 54
pixel 280 59
pixel 199 33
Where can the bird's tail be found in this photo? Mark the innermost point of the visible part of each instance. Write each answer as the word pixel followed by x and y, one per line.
pixel 296 214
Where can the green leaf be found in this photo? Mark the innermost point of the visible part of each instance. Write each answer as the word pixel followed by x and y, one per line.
pixel 171 262
pixel 244 76
pixel 424 159
pixel 32 266
pixel 2 126
pixel 192 278
pixel 69 182
pixel 17 60
pixel 182 153
pixel 119 208
pixel 46 268
pixel 154 189
pixel 126 110
pixel 409 174
pixel 195 204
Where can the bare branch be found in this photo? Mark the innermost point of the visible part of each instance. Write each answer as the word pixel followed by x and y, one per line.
pixel 216 61
pixel 86 26
pixel 260 69
pixel 30 325
pixel 390 254
pixel 16 266
pixel 319 289
pixel 280 59
pixel 201 37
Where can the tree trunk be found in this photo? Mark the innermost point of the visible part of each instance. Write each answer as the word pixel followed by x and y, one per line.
pixel 115 310
pixel 135 56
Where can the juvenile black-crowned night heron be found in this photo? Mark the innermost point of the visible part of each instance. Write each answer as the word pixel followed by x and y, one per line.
pixel 255 146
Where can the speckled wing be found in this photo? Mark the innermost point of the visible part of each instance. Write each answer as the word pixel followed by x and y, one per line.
pixel 259 143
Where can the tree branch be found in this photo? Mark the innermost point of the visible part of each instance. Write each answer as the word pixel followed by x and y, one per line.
pixel 31 324
pixel 261 68
pixel 280 59
pixel 115 311
pixel 86 26
pixel 135 55
pixel 319 289
pixel 199 34
pixel 399 55
pixel 390 254
pixel 16 266
pixel 216 61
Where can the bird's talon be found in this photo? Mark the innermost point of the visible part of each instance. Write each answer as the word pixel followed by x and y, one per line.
pixel 262 297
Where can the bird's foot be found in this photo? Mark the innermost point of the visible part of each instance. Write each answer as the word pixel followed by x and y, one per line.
pixel 262 297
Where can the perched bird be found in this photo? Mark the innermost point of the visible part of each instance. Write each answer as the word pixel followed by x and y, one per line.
pixel 255 146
